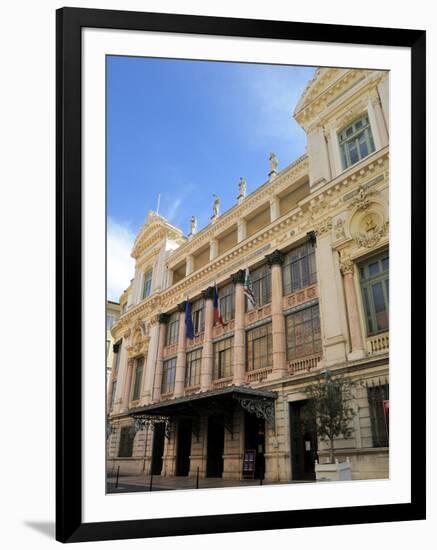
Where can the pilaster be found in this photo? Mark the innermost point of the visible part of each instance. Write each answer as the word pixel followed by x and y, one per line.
pixel 163 319
pixel 239 367
pixel 181 358
pixel 207 350
pixel 275 261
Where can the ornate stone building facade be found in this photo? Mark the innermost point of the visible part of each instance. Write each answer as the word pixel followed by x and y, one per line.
pixel 315 238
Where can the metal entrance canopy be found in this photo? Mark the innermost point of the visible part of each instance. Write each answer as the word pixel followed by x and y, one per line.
pixel 255 401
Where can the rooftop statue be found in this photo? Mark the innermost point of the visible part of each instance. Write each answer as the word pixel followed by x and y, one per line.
pixel 242 186
pixel 273 163
pixel 193 225
pixel 215 206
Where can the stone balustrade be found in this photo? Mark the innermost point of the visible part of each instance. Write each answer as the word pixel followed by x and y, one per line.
pixel 258 375
pixel 304 364
pixel 378 343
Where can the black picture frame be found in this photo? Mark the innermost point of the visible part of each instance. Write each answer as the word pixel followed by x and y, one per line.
pixel 69 24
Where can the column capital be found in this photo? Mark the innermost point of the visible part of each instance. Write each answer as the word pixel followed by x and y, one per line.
pixel 238 277
pixel 208 293
pixel 163 318
pixel 346 266
pixel 275 258
pixel 182 306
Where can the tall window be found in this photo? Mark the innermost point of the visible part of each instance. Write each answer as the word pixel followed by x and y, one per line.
pixel 192 373
pixel 123 308
pixel 139 366
pixel 113 388
pixel 197 315
pixel 223 354
pixel 303 333
pixel 147 287
pixel 259 347
pixel 117 350
pixel 168 375
pixel 374 279
pixel 261 286
pixel 226 296
pixel 378 397
pixel 127 436
pixel 299 269
pixel 356 141
pixel 172 329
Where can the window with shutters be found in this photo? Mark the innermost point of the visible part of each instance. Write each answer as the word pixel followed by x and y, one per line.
pixel 198 316
pixel 223 357
pixel 138 375
pixel 303 333
pixel 226 296
pixel 147 285
pixel 374 280
pixel 192 372
pixel 378 397
pixel 356 141
pixel 127 436
pixel 261 286
pixel 299 268
pixel 172 329
pixel 168 375
pixel 259 347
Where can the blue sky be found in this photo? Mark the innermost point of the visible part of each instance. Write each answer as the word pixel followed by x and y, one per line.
pixel 188 129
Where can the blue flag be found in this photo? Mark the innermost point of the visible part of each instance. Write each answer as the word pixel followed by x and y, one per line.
pixel 188 321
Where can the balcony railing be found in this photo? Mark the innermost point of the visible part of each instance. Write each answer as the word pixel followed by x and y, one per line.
pixel 378 343
pixel 222 382
pixel 304 364
pixel 258 375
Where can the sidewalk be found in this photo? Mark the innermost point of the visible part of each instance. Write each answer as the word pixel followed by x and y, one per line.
pixel 142 483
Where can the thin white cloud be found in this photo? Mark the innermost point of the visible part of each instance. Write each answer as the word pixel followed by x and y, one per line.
pixel 173 209
pixel 120 265
pixel 273 94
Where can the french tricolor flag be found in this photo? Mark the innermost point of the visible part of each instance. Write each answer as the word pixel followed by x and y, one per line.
pixel 217 313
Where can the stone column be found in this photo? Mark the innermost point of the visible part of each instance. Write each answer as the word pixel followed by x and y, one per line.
pixel 213 249
pixel 189 268
pixel 338 168
pixel 127 386
pixel 274 208
pixel 357 348
pixel 374 124
pixel 181 358
pixel 207 351
pixel 157 382
pixel 241 230
pixel 330 300
pixel 116 348
pixel 239 365
pixel 275 261
pixel 150 364
pixel 121 376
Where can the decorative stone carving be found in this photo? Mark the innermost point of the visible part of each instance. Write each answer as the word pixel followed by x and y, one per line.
pixel 346 266
pixel 276 257
pixel 323 227
pixel 372 235
pixel 362 200
pixel 339 229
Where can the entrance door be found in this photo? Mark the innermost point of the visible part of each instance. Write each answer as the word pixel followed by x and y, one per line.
pixel 303 444
pixel 255 438
pixel 158 448
pixel 183 449
pixel 215 446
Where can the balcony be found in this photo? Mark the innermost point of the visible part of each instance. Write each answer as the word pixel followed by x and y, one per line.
pixel 304 364
pixel 379 343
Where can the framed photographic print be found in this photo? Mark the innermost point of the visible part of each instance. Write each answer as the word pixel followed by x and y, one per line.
pixel 241 244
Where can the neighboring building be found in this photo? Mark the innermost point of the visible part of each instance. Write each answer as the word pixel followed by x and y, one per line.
pixel 112 315
pixel 315 238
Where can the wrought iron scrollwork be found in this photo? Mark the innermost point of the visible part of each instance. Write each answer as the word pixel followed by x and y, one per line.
pixel 260 407
pixel 149 421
